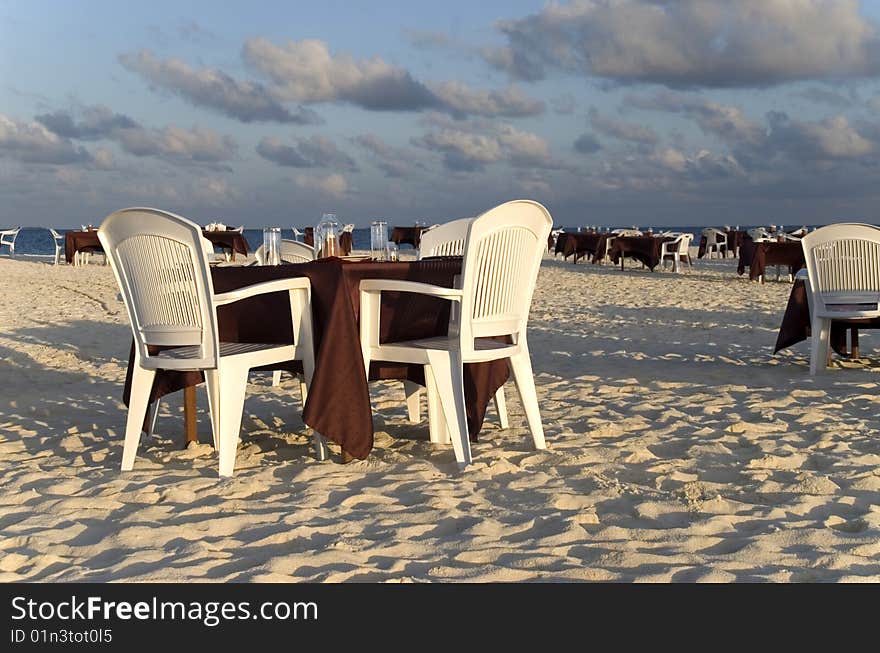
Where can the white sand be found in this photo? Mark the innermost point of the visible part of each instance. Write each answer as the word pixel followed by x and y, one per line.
pixel 680 449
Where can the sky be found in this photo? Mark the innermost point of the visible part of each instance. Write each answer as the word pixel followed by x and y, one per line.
pixel 609 112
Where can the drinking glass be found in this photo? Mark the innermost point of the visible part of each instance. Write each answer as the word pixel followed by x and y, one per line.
pixel 327 236
pixel 392 250
pixel 378 239
pixel 272 246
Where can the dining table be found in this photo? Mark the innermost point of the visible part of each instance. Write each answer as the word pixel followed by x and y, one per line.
pixel 645 249
pixel 795 325
pixel 81 241
pixel 338 402
pixel 229 240
pixel 758 255
pixel 407 235
pixel 583 244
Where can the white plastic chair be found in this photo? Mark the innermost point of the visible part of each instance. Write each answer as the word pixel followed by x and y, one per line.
pixel 759 234
pixel 7 237
pixel 159 261
pixel 716 242
pixel 677 250
pixel 292 251
pixel 447 240
pixel 59 245
pixel 502 256
pixel 843 266
pixel 297 234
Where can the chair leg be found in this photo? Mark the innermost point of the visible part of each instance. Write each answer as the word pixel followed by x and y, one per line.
pixel 413 404
pixel 212 384
pixel 819 345
pixel 233 385
pixel 439 433
pixel 521 366
pixel 501 408
pixel 154 416
pixel 141 385
pixel 276 378
pixel 449 380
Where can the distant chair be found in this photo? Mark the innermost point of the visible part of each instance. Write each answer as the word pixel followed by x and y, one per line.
pixel 297 233
pixel 349 228
pixel 759 234
pixel 159 262
pixel 502 256
pixel 7 237
pixel 59 245
pixel 447 240
pixel 716 242
pixel 677 250
pixel 844 281
pixel 292 251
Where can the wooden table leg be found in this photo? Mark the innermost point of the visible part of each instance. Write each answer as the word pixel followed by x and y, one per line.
pixel 854 343
pixel 189 414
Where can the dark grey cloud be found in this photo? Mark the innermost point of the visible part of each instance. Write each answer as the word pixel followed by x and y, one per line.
pixel 306 71
pixel 703 43
pixel 214 89
pixel 178 145
pixel 395 162
pixel 587 144
pixel 824 96
pixel 314 152
pixel 623 131
pixel 564 105
pixel 34 143
pixel 97 122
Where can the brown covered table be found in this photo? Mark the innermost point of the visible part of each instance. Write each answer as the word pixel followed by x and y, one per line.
pixel 795 325
pixel 338 404
pixel 559 246
pixel 346 242
pixel 757 256
pixel 404 235
pixel 581 244
pixel 81 241
pixel 645 249
pixel 228 240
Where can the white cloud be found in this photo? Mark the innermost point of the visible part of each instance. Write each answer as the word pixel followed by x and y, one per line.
pixel 334 184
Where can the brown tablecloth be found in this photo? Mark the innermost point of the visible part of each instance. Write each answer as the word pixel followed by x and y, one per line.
pixel 338 404
pixel 80 241
pixel 581 244
pixel 309 236
pixel 404 235
pixel 645 249
pixel 757 256
pixel 734 241
pixel 346 242
pixel 559 246
pixel 234 241
pixel 795 325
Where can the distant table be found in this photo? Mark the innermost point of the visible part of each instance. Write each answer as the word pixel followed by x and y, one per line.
pixel 757 256
pixel 346 243
pixel 795 325
pixel 229 240
pixel 559 245
pixel 81 241
pixel 583 244
pixel 645 249
pixel 338 404
pixel 407 235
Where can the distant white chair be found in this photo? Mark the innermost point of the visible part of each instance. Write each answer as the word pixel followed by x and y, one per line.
pixel 159 262
pixel 59 245
pixel 502 256
pixel 7 237
pixel 626 232
pixel 676 250
pixel 298 235
pixel 759 234
pixel 844 280
pixel 447 240
pixel 292 251
pixel 716 242
pixel 349 228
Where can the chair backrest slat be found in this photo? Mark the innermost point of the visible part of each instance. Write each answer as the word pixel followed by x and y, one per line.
pixel 502 256
pixel 160 264
pixel 445 239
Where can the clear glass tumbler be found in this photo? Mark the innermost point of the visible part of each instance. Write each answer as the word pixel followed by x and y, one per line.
pixel 272 246
pixel 378 239
pixel 392 251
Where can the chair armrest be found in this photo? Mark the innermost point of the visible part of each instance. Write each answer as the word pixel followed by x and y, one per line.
pixel 393 285
pixel 277 285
